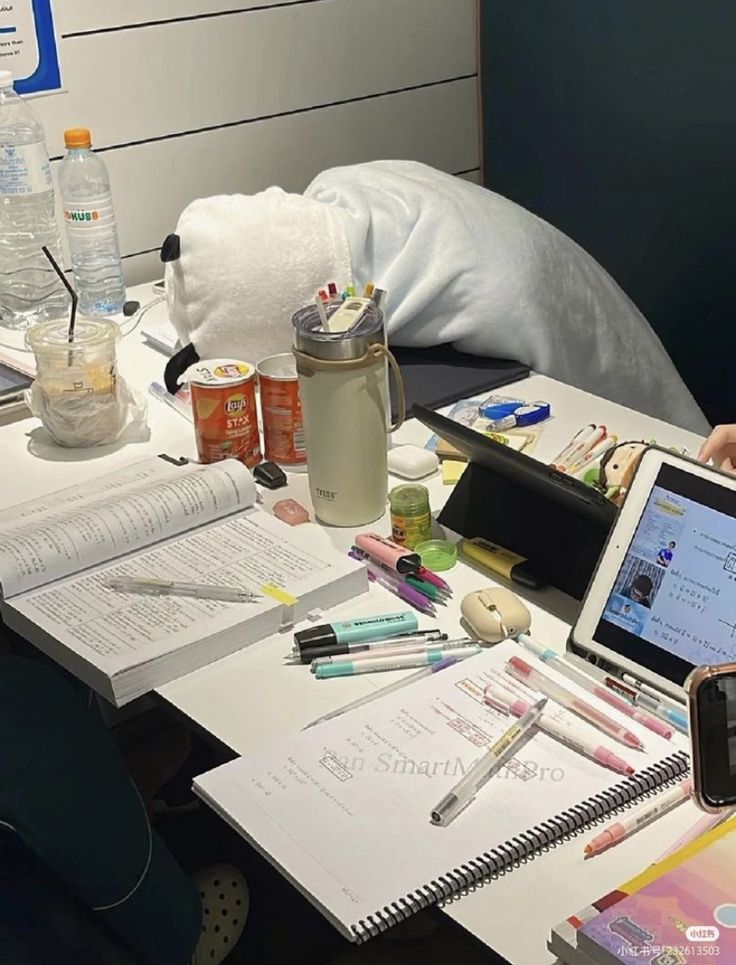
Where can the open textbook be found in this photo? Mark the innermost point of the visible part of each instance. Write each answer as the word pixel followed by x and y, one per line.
pixel 343 808
pixel 156 519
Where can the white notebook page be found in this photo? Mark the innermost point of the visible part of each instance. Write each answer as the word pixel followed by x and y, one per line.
pixel 67 537
pixel 151 468
pixel 343 807
pixel 119 630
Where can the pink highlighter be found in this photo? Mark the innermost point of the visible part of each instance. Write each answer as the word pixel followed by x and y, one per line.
pixel 390 554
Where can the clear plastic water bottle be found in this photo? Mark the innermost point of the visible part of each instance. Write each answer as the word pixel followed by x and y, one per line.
pixel 30 291
pixel 90 226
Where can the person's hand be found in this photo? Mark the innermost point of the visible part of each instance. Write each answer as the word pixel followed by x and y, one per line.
pixel 720 446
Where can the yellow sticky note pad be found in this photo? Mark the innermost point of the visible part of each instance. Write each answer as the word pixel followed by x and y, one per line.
pixel 452 470
pixel 281 596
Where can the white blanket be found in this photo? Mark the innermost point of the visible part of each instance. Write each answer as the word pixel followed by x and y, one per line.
pixel 460 264
pixel 464 265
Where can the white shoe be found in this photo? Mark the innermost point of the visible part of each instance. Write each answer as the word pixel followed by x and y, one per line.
pixel 225 905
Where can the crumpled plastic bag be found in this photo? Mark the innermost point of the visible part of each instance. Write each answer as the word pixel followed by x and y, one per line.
pixel 83 419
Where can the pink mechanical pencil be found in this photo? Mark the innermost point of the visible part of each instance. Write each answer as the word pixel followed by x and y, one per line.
pixel 616 832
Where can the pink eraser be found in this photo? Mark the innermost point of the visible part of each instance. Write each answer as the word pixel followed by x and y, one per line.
pixel 290 511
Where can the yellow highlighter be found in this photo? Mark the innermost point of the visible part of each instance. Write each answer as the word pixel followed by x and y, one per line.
pixel 503 562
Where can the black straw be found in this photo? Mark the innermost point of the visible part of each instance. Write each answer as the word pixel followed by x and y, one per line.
pixel 65 282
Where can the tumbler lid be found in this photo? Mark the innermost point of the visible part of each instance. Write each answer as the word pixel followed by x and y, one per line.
pixel 311 339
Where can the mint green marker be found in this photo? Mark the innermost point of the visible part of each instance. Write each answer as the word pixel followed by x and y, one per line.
pixel 406 661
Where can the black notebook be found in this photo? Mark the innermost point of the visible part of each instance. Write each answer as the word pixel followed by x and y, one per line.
pixel 441 375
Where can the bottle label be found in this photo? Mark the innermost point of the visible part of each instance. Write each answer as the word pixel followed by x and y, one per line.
pixel 92 215
pixel 410 530
pixel 24 169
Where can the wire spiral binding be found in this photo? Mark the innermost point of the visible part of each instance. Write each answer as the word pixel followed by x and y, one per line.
pixel 491 865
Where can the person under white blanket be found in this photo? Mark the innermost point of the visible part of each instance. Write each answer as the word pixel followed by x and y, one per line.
pixel 461 265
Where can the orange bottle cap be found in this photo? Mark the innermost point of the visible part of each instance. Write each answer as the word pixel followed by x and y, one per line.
pixel 77 137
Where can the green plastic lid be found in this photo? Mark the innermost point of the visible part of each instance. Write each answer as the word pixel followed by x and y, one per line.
pixel 437 554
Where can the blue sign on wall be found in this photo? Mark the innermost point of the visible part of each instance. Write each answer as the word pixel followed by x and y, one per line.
pixel 28 45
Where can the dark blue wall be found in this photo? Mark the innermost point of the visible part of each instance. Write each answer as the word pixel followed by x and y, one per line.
pixel 615 120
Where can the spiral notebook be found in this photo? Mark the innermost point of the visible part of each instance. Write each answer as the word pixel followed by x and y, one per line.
pixel 342 808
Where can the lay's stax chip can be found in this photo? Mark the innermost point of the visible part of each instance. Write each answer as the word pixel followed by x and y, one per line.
pixel 224 406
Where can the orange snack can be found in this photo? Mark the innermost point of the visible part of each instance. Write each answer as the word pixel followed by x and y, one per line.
pixel 281 409
pixel 224 407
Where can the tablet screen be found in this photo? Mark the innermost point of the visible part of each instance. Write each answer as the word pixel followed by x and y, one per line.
pixel 676 588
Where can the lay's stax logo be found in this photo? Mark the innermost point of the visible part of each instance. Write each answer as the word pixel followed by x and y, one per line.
pixel 81 215
pixel 236 403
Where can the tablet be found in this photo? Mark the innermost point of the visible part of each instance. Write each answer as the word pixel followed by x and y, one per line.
pixel 663 597
pixel 523 470
pixel 555 521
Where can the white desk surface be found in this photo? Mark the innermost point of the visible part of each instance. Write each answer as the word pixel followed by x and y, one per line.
pixel 251 698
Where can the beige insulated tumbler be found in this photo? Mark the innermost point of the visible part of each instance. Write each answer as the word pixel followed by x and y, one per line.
pixel 342 383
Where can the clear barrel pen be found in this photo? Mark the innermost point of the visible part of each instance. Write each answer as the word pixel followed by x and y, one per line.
pixel 391 648
pixel 460 796
pixel 521 670
pixel 563 731
pixel 200 591
pixel 547 655
pixel 406 593
pixel 402 661
pixel 419 638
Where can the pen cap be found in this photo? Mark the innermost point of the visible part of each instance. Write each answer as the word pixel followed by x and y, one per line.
pixel 315 637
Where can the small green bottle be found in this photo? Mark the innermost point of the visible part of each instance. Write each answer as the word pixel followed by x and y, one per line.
pixel 411 519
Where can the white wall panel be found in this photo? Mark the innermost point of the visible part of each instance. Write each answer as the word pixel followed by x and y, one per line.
pixel 73 16
pixel 134 85
pixel 152 183
pixel 195 97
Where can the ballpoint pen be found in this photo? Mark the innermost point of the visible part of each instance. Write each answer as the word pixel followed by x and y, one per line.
pixel 431 577
pixel 549 656
pixel 483 770
pixel 584 446
pixel 595 453
pixel 579 437
pixel 391 648
pixel 313 650
pixel 622 829
pixel 650 691
pixel 566 733
pixel 406 593
pixel 522 671
pixel 397 685
pixel 403 661
pixel 200 591
pixel 664 707
pixel 431 590
pixel 675 718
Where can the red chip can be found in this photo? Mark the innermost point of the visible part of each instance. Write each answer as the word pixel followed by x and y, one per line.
pixel 225 414
pixel 281 410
